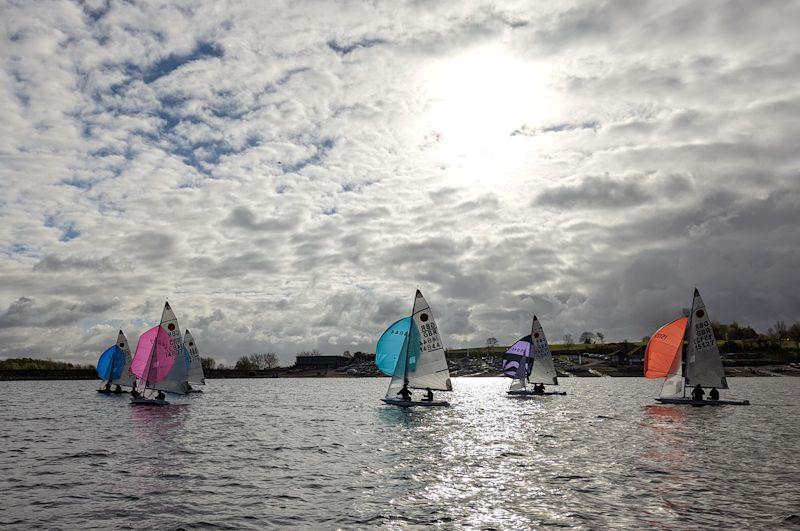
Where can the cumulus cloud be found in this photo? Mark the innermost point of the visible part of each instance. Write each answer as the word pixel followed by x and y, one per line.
pixel 288 176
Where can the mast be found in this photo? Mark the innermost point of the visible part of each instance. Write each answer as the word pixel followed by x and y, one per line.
pixel 408 343
pixel 684 344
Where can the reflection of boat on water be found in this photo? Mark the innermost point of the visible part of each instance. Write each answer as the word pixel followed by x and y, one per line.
pixel 659 412
pixel 160 362
pixel 411 352
pixel 698 365
pixel 530 360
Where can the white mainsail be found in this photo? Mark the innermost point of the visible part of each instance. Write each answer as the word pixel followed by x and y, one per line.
pixel 160 351
pixel 196 376
pixel 126 378
pixel 421 360
pixel 703 363
pixel 175 381
pixel 544 370
pixel 426 362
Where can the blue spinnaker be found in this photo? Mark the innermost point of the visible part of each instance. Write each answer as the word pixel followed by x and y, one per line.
pixel 390 345
pixel 111 363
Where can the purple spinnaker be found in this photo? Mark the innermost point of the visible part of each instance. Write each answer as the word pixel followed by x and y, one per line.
pixel 517 352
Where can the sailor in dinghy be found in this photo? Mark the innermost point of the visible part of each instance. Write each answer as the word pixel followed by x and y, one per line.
pixel 194 363
pixel 160 362
pixel 698 365
pixel 530 360
pixel 113 367
pixel 411 352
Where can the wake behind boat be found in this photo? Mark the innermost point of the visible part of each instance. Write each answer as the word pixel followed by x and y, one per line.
pixel 411 352
pixel 698 366
pixel 530 360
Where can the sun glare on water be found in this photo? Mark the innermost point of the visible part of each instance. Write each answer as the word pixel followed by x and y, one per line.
pixel 475 101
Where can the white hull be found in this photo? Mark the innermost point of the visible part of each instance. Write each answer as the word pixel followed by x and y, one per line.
pixel 410 403
pixel 148 402
pixel 692 402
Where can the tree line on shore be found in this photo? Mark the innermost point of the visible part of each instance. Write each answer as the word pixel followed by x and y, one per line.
pixel 34 364
pixel 778 332
pixel 778 335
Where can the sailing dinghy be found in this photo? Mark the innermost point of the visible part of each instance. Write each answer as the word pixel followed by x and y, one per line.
pixel 114 364
pixel 699 363
pixel 193 361
pixel 530 360
pixel 160 362
pixel 411 352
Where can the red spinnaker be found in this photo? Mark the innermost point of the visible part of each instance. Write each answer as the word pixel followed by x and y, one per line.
pixel 664 348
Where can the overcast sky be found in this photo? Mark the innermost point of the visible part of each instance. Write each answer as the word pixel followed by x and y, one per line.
pixel 287 174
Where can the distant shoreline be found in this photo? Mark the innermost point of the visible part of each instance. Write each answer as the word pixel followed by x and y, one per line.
pixel 223 374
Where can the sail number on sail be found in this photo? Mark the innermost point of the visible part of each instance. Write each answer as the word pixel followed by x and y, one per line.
pixel 430 338
pixel 542 348
pixel 703 335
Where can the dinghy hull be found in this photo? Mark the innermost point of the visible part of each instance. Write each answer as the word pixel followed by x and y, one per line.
pixel 527 392
pixel 412 403
pixel 104 391
pixel 148 402
pixel 691 402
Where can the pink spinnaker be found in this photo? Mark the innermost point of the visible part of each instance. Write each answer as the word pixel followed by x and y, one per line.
pixel 155 354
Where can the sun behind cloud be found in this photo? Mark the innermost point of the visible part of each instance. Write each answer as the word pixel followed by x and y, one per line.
pixel 475 101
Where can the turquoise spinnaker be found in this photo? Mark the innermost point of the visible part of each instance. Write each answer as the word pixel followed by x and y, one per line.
pixel 391 344
pixel 111 363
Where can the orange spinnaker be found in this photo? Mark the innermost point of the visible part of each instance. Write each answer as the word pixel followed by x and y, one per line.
pixel 663 348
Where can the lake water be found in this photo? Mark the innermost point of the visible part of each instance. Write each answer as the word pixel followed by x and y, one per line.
pixel 326 454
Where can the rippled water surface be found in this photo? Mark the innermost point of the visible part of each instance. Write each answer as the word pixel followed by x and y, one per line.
pixel 326 454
